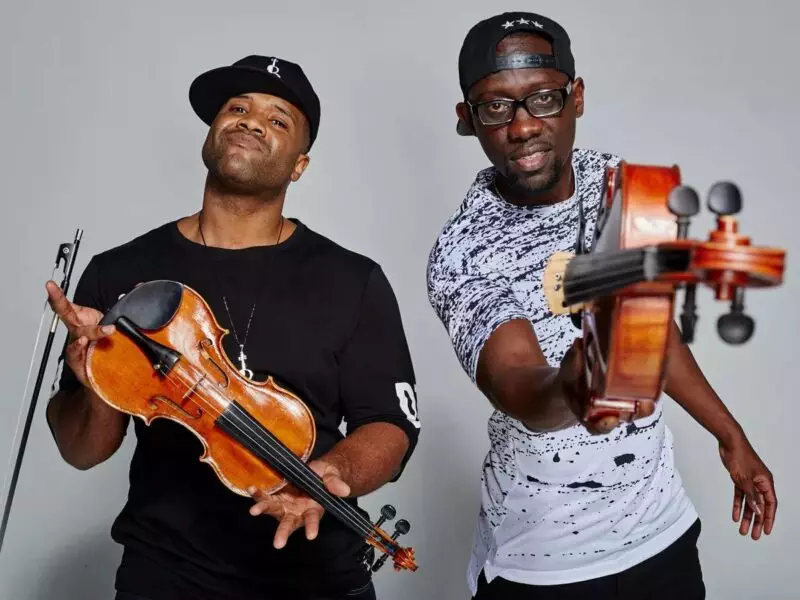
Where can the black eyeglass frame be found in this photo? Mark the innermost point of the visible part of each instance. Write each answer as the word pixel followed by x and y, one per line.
pixel 564 91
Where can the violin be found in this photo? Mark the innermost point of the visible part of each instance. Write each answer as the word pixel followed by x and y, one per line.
pixel 166 360
pixel 622 293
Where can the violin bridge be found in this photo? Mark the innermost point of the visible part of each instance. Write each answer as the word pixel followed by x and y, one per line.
pixel 553 284
pixel 193 387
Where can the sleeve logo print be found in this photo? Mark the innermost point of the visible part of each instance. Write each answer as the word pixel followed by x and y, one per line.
pixel 408 402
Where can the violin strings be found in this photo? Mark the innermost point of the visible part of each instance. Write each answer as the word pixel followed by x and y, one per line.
pixel 598 290
pixel 245 423
pixel 336 505
pixel 609 255
pixel 592 278
pixel 608 266
pixel 628 259
pixel 258 440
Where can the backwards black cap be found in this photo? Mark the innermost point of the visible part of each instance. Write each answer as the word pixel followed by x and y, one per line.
pixel 255 74
pixel 478 57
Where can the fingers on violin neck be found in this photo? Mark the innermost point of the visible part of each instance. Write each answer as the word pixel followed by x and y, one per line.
pixel 604 425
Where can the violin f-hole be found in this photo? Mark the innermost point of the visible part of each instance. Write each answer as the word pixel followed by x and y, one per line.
pixel 178 407
pixel 204 344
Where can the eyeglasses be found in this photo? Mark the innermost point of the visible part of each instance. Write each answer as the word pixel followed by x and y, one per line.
pixel 542 103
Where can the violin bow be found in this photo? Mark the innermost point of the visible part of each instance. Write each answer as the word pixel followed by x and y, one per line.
pixel 65 259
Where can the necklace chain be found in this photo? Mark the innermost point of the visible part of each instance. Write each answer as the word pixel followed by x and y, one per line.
pixel 242 356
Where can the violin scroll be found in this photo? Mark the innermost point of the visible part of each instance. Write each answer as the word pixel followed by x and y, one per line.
pixel 725 199
pixel 728 263
pixel 403 558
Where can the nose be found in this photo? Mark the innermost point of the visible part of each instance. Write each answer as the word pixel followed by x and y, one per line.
pixel 524 126
pixel 248 123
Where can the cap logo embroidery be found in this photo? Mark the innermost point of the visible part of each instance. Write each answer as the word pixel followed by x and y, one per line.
pixel 273 69
pixel 521 21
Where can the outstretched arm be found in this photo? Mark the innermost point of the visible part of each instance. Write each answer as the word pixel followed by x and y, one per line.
pixel 497 346
pixel 753 483
pixel 516 378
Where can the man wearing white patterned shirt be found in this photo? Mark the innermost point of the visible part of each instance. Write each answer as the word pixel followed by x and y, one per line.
pixel 565 512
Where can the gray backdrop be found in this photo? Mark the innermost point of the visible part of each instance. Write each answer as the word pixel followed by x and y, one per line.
pixel 98 133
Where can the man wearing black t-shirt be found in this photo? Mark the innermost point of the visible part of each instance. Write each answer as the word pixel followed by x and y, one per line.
pixel 323 321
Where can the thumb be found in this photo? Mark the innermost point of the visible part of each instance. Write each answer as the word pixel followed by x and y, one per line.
pixel 76 351
pixel 603 425
pixel 336 485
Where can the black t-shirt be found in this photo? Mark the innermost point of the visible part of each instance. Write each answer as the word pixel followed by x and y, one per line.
pixel 327 327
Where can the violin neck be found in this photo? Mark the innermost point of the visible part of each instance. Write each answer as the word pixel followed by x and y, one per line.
pixel 590 276
pixel 236 422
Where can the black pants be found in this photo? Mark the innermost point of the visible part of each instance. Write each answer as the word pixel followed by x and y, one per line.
pixel 672 574
pixel 366 593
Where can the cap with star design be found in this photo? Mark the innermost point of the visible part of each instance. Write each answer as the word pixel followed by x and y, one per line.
pixel 478 57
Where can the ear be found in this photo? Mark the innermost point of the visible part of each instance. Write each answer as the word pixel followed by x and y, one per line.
pixel 464 126
pixel 299 166
pixel 578 90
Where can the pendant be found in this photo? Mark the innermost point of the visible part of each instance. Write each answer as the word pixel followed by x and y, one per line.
pixel 243 363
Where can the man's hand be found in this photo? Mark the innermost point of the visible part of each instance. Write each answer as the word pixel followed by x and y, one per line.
pixel 572 379
pixel 294 508
pixel 753 488
pixel 82 327
pixel 87 431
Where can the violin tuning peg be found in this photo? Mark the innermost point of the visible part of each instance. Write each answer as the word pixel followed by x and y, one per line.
pixel 388 512
pixel 683 202
pixel 367 557
pixel 724 198
pixel 401 528
pixel 689 314
pixel 736 327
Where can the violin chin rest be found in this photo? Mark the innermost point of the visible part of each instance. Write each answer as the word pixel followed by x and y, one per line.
pixel 149 306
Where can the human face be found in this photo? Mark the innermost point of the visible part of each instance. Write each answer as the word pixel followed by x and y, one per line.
pixel 532 154
pixel 257 142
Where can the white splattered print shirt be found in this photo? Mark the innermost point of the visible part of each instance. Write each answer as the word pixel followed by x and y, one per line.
pixel 556 507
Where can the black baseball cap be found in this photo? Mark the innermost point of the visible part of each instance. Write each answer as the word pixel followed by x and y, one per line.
pixel 478 57
pixel 255 74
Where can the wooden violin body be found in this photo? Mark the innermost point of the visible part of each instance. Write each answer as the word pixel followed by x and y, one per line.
pixel 629 331
pixel 166 360
pixel 624 289
pixel 192 395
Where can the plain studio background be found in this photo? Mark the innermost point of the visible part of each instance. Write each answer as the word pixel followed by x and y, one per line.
pixel 98 134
